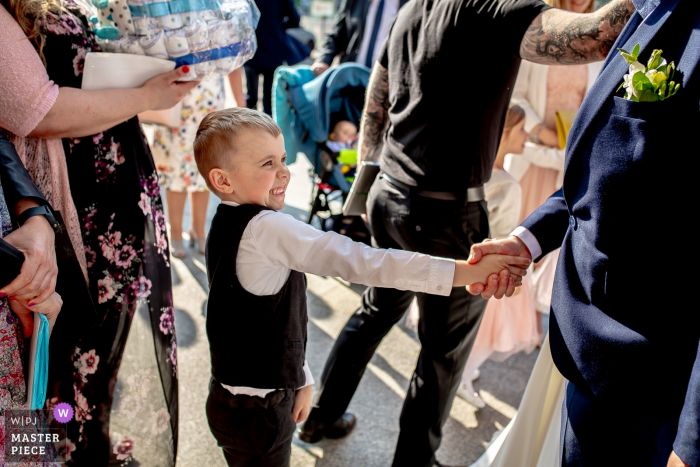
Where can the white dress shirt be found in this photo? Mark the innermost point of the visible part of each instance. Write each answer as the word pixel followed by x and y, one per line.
pixel 273 244
pixel 391 8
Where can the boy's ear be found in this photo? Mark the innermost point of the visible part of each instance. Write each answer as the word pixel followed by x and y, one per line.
pixel 219 180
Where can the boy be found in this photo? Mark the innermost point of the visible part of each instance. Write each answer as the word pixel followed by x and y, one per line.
pixel 256 314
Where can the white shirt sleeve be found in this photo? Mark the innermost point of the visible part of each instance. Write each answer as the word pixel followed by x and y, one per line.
pixel 281 241
pixel 529 240
pixel 521 96
pixel 309 376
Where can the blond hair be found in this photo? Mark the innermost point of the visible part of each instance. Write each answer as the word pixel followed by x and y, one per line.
pixel 216 136
pixel 31 16
pixel 566 5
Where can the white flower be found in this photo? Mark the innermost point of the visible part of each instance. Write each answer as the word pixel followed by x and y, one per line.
pixel 635 67
pixel 159 422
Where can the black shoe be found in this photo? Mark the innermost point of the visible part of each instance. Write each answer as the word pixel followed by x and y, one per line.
pixel 313 432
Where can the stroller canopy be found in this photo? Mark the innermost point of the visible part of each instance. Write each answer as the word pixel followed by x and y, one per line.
pixel 305 107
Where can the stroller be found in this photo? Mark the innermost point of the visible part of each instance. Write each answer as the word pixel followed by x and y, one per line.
pixel 306 108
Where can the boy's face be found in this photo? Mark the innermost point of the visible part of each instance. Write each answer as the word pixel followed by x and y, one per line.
pixel 258 173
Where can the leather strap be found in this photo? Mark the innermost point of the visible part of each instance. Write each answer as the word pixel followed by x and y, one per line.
pixel 38 211
pixel 473 194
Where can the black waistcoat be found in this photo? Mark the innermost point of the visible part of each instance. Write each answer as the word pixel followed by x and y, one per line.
pixel 254 341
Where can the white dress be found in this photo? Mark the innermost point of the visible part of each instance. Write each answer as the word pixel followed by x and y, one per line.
pixel 531 439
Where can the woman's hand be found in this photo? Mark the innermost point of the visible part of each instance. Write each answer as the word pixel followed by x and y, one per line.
pixel 164 91
pixel 51 308
pixel 37 278
pixel 302 404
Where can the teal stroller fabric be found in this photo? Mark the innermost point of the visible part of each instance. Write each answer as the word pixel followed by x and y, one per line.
pixel 305 106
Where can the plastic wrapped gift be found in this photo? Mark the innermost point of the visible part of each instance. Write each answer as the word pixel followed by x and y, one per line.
pixel 215 36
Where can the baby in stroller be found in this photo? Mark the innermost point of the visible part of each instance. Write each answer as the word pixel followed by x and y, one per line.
pixel 343 140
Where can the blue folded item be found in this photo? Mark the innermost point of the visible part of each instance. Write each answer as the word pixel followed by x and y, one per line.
pixel 41 363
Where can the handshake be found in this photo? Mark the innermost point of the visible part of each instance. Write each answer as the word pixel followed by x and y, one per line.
pixel 505 282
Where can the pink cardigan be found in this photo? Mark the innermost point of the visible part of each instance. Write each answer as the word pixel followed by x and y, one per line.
pixel 26 96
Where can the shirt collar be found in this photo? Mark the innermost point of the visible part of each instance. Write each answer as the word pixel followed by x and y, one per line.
pixel 230 203
pixel 645 7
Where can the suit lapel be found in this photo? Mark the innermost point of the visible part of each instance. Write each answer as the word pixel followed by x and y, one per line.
pixel 615 68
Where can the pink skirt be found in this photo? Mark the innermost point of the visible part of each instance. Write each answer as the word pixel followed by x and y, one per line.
pixel 509 326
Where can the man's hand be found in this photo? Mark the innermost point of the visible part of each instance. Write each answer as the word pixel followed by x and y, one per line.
pixel 318 68
pixel 51 308
pixel 502 284
pixel 302 404
pixel 558 37
pixel 37 278
pixel 675 461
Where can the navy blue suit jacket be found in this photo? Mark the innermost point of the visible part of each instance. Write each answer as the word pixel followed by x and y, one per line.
pixel 629 191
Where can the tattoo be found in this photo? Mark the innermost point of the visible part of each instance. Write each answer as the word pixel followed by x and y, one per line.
pixel 558 37
pixel 375 116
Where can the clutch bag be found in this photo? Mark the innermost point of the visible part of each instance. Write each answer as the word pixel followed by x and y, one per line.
pixel 564 118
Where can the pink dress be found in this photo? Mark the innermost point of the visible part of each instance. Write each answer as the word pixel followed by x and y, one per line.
pixel 26 96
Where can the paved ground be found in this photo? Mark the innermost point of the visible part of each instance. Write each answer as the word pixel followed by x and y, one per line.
pixel 379 398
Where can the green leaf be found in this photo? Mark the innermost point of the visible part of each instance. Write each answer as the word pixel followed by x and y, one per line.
pixel 648 96
pixel 655 59
pixel 629 58
pixel 635 51
pixel 641 82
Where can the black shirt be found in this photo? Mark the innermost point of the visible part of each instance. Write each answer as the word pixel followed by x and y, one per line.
pixel 452 65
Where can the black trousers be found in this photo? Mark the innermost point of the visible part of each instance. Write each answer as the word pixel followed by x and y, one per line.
pixel 252 432
pixel 251 78
pixel 447 329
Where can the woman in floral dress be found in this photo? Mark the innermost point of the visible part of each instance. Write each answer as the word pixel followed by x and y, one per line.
pixel 123 384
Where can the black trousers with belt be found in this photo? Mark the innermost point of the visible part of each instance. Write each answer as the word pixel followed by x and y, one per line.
pixel 252 432
pixel 447 326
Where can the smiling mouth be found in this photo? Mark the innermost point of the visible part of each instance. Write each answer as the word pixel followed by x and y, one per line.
pixel 277 191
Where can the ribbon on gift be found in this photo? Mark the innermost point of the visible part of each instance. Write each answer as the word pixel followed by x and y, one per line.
pixel 176 6
pixel 213 54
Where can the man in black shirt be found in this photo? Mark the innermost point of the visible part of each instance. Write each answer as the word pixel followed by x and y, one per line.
pixel 434 115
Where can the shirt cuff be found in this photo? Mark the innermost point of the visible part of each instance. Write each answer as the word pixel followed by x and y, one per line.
pixel 529 240
pixel 309 376
pixel 441 276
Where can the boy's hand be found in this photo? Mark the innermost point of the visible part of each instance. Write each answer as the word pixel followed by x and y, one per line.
pixel 467 274
pixel 302 404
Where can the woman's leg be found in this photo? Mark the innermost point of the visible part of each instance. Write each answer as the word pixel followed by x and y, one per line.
pixel 199 200
pixel 176 207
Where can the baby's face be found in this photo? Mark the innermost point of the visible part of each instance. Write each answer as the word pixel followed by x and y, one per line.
pixel 344 132
pixel 259 173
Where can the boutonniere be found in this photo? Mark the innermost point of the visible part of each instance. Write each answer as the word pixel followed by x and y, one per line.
pixel 651 83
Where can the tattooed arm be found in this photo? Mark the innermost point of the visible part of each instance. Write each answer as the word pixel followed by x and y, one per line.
pixel 558 37
pixel 375 116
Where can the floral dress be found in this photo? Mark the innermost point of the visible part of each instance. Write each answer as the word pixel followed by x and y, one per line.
pixel 13 390
pixel 123 379
pixel 172 147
